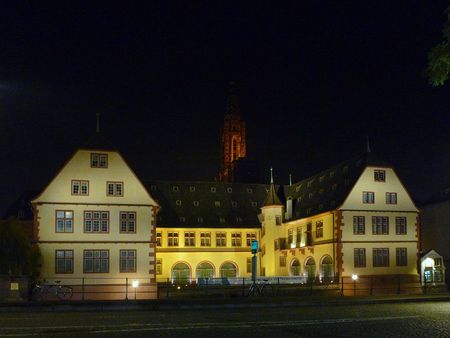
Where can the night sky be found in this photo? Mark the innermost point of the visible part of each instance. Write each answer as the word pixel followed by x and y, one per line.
pixel 314 78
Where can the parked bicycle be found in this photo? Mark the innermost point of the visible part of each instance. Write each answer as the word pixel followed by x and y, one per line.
pixel 63 292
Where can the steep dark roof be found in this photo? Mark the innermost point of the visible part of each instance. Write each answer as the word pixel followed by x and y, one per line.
pixel 325 190
pixel 272 197
pixel 21 207
pixel 208 204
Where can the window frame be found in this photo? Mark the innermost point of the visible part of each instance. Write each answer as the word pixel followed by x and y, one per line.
pixel 319 229
pixel 368 197
pixel 64 259
pixel 127 219
pixel 359 228
pixel 114 191
pixel 391 198
pixel 80 190
pixel 173 239
pixel 189 240
pixel 100 221
pixel 100 155
pixel 399 226
pixel 249 238
pixel 134 259
pixel 205 238
pixel 376 175
pixel 401 256
pixel 359 258
pixel 383 226
pixel 221 239
pixel 64 221
pixel 94 258
pixel 380 257
pixel 159 238
pixel 236 239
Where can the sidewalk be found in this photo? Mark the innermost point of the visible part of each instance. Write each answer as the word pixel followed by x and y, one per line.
pixel 216 303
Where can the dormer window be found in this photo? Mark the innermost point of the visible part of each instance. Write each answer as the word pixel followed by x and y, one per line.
pixel 196 203
pixel 254 204
pixel 178 202
pixel 99 160
pixel 191 188
pixel 213 189
pixel 229 190
pixel 182 219
pixel 153 187
pixel 222 219
pixel 175 188
pixel 234 204
pixel 217 204
pixel 249 190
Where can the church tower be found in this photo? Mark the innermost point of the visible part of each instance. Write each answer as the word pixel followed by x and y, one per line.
pixel 233 137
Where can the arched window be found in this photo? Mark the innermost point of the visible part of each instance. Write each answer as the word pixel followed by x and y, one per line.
pixel 181 272
pixel 204 270
pixel 228 270
pixel 310 266
pixel 295 267
pixel 327 268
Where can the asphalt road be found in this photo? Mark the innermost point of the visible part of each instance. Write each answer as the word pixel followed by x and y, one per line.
pixel 430 319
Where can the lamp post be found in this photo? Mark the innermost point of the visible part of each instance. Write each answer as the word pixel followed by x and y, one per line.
pixel 135 285
pixel 355 278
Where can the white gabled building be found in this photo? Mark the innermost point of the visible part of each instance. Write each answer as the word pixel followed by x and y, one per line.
pixel 95 224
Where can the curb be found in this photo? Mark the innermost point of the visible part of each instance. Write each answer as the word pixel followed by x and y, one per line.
pixel 156 306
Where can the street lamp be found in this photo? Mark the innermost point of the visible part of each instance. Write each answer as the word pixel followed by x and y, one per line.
pixel 135 285
pixel 355 278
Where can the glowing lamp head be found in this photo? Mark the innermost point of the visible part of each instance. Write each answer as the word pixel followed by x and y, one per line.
pixel 135 283
pixel 292 245
pixel 354 276
pixel 429 262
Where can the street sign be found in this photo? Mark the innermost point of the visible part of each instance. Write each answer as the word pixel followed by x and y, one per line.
pixel 254 247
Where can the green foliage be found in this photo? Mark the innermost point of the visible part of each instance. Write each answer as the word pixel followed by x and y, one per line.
pixel 17 254
pixel 439 59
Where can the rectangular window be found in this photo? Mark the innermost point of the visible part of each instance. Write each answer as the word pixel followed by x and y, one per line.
pixel 159 266
pixel 359 257
pixel 299 236
pixel 172 238
pixel 380 225
pixel 96 261
pixel 205 239
pixel 221 239
pixel 368 197
pixel 278 220
pixel 236 239
pixel 114 189
pixel 80 187
pixel 381 257
pixel 319 229
pixel 400 225
pixel 359 225
pixel 64 221
pixel 379 175
pixel 401 256
pixel 189 238
pixel 249 264
pixel 290 237
pixel 127 222
pixel 282 261
pixel 99 160
pixel 96 221
pixel 391 198
pixel 127 260
pixel 158 238
pixel 64 261
pixel 251 236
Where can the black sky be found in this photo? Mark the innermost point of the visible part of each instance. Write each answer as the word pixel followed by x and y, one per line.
pixel 313 77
